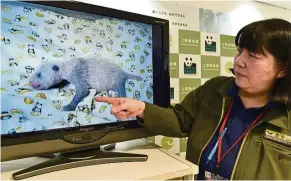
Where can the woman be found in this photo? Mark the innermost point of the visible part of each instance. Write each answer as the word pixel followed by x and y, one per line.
pixel 237 127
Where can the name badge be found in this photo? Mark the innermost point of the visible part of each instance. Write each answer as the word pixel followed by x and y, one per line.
pixel 278 137
pixel 212 176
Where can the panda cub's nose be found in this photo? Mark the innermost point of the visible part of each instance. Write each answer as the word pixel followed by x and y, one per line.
pixel 34 84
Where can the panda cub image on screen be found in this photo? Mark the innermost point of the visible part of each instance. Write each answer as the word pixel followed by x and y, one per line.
pixel 85 74
pixel 55 61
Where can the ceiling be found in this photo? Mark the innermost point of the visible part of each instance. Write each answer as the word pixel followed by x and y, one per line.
pixel 282 4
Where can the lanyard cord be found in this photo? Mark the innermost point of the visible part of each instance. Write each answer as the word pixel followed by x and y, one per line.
pixel 219 157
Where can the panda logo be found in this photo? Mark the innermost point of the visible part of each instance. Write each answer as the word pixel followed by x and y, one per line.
pixel 188 62
pixel 17 18
pixel 36 111
pixel 30 49
pixel 189 66
pixel 131 83
pixel 63 38
pixel 66 26
pixel 71 117
pixel 29 69
pixel 26 9
pixel 172 92
pixel 137 95
pixel 210 44
pixel 6 40
pixel 209 40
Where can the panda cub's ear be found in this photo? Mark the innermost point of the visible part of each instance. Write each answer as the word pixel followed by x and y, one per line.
pixel 55 68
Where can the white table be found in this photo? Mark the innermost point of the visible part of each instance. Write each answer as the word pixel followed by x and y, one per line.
pixel 161 165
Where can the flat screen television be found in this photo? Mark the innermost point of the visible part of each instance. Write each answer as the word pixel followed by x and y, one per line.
pixel 56 56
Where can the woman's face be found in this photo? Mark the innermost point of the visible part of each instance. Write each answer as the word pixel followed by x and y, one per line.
pixel 256 73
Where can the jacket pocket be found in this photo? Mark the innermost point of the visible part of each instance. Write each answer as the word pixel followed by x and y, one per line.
pixel 274 161
pixel 283 152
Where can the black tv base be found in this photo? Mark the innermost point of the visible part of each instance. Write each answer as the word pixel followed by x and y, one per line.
pixel 75 159
pixel 53 155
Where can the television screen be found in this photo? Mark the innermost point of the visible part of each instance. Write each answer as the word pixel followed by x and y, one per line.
pixel 54 62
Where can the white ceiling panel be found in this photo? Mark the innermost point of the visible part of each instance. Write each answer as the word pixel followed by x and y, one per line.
pixel 282 4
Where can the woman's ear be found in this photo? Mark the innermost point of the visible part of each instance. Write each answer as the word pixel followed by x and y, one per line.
pixel 282 70
pixel 282 73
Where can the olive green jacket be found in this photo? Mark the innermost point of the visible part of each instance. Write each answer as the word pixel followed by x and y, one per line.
pixel 198 116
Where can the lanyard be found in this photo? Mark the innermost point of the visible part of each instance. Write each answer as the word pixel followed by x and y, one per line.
pixel 222 132
pixel 219 157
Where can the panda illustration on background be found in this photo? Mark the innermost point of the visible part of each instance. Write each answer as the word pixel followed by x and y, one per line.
pixel 210 44
pixel 188 62
pixel 84 74
pixel 189 66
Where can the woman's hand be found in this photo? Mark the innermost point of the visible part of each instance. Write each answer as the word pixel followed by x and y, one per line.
pixel 124 108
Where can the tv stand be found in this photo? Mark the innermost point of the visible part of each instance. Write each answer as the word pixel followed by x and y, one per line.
pixel 67 160
pixel 53 155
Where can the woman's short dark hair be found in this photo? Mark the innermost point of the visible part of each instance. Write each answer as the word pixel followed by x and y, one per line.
pixel 272 36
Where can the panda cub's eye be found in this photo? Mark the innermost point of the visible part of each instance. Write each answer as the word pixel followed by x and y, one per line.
pixel 38 74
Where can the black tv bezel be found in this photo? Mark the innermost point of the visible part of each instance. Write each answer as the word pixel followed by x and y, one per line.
pixel 161 87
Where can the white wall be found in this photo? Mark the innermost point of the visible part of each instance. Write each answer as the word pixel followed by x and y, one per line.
pixel 241 9
pixel 244 8
pixel 241 12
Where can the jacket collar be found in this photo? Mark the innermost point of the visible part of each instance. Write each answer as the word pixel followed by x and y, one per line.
pixel 278 117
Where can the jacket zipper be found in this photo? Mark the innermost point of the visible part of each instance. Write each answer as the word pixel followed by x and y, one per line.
pixel 222 111
pixel 235 165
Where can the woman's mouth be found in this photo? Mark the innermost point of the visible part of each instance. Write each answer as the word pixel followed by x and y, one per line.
pixel 239 74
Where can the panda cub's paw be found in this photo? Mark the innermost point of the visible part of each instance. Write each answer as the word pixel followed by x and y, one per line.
pixel 68 108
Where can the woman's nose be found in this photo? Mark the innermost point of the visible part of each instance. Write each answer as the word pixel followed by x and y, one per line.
pixel 240 60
